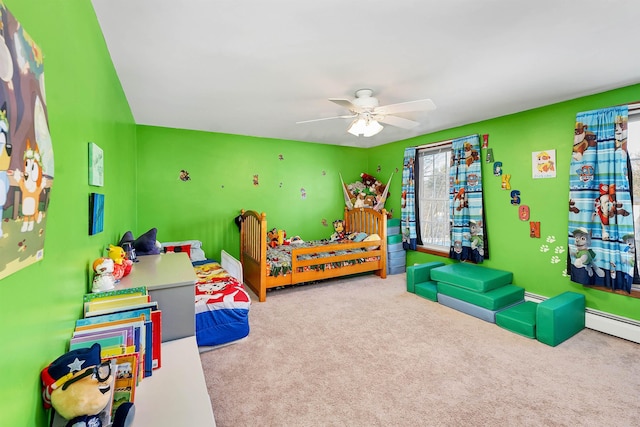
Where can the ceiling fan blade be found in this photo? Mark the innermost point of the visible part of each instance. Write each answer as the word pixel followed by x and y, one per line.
pixel 346 103
pixel 406 107
pixel 351 116
pixel 398 122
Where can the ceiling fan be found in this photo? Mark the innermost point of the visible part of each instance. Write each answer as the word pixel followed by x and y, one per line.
pixel 368 114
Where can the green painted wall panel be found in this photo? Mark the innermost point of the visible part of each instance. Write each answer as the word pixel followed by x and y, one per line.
pixel 513 138
pixel 298 185
pixel 39 304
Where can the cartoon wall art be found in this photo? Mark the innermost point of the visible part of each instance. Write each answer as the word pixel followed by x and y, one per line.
pixel 534 229
pixel 256 182
pixel 506 181
pixel 543 164
pixel 184 175
pixel 515 197
pixel 523 212
pixel 96 165
pixel 489 156
pixel 26 151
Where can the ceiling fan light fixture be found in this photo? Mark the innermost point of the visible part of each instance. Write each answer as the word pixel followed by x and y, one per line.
pixel 365 128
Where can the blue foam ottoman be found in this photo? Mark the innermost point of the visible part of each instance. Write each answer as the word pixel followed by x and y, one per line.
pixel 560 317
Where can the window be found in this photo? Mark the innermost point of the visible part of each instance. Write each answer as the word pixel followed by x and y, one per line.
pixel 433 197
pixel 633 148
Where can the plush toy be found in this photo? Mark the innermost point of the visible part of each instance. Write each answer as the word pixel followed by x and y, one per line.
pixel 79 387
pixel 338 226
pixel 103 279
pixel 272 237
pixel 122 266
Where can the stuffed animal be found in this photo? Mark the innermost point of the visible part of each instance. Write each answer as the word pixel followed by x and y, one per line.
pixel 338 226
pixel 272 237
pixel 103 279
pixel 122 266
pixel 78 385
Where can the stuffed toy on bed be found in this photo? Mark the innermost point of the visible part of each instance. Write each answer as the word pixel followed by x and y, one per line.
pixel 338 226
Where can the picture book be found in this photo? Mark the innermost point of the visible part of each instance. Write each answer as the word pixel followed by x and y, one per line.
pixel 153 305
pixel 125 329
pixel 128 314
pixel 114 303
pixel 116 293
pixel 105 340
pixel 126 374
pixel 156 338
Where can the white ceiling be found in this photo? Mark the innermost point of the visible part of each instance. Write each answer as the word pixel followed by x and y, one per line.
pixel 253 67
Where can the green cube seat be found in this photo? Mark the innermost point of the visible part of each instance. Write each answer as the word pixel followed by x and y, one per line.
pixel 428 290
pixel 420 273
pixel 491 300
pixel 520 319
pixel 560 317
pixel 473 277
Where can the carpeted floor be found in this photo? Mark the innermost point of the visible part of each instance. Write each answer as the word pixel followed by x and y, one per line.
pixel 364 352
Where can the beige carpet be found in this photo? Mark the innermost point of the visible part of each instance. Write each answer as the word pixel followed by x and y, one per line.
pixel 364 352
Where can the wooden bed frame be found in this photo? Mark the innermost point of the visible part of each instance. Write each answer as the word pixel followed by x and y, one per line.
pixel 253 251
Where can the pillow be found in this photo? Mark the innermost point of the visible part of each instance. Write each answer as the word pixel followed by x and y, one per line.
pixel 178 249
pixel 126 237
pixel 146 243
pixel 360 237
pixel 370 238
pixel 197 254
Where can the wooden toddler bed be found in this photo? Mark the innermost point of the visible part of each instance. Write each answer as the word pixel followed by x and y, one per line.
pixel 315 260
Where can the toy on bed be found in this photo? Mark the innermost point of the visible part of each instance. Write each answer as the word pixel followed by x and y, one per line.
pixel 221 302
pixel 338 227
pixel 79 387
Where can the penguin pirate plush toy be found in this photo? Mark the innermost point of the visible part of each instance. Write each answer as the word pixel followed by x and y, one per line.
pixel 78 385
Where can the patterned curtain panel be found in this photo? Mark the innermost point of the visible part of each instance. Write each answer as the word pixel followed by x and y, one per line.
pixel 601 234
pixel 409 237
pixel 468 237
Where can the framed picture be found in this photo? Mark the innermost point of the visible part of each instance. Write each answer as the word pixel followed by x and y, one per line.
pixel 543 164
pixel 96 165
pixel 96 213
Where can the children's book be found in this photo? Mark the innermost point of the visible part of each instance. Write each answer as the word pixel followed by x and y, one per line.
pixel 125 329
pixel 115 303
pixel 153 305
pixel 126 374
pixel 116 293
pixel 110 339
pixel 156 340
pixel 127 314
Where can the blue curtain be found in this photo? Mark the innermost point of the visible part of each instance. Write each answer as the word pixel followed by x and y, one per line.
pixel 601 233
pixel 409 236
pixel 468 236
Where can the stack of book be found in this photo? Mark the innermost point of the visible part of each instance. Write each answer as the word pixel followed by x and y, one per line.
pixel 127 325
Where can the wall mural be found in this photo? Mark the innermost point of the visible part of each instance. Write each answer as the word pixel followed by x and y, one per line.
pixel 26 153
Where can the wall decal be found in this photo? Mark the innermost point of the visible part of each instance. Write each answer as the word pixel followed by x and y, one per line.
pixel 506 185
pixel 515 197
pixel 255 180
pixel 497 169
pixel 25 145
pixel 280 157
pixel 543 164
pixel 523 212
pixel 303 193
pixel 184 175
pixel 489 156
pixel 534 229
pixel 485 140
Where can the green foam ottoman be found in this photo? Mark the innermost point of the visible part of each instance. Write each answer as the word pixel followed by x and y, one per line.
pixel 560 317
pixel 491 300
pixel 421 273
pixel 472 276
pixel 428 290
pixel 520 319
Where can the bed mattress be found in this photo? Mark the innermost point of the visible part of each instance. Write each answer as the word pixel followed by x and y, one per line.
pixel 222 305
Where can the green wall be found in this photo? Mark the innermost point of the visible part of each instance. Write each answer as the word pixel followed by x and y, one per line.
pixel 513 138
pixel 222 169
pixel 39 304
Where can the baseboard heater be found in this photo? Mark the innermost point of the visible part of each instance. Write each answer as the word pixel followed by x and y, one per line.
pixel 618 326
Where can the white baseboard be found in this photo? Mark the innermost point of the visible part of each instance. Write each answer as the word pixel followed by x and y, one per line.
pixel 601 321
